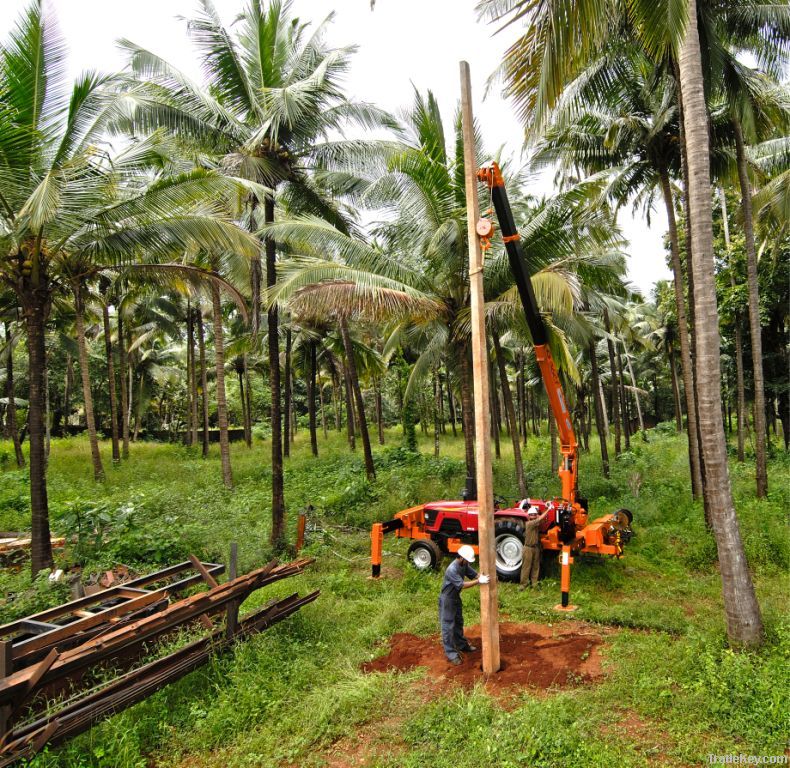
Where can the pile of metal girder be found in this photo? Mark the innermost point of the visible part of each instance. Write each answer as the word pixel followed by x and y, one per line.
pixel 29 719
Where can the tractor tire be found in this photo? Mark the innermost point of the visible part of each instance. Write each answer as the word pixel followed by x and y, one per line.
pixel 509 543
pixel 425 555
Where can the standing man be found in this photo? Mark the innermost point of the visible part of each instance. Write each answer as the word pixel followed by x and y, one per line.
pixel 451 615
pixel 530 555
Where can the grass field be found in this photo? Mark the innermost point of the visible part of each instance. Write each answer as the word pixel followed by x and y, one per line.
pixel 295 696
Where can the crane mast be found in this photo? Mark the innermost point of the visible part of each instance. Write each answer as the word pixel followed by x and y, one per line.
pixel 491 175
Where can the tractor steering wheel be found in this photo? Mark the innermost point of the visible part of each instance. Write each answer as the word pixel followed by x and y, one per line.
pixel 500 502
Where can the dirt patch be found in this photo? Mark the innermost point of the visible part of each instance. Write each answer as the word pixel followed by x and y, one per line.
pixel 533 656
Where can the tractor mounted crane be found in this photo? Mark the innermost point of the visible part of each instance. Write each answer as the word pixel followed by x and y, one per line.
pixel 441 527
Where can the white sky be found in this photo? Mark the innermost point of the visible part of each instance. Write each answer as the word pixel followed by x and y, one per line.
pixel 400 43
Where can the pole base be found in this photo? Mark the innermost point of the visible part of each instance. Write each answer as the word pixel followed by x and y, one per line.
pixel 565 608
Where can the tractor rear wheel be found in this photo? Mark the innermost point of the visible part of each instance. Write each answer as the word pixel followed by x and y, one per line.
pixel 425 555
pixel 509 543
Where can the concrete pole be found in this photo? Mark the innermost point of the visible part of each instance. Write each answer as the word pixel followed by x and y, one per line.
pixel 489 607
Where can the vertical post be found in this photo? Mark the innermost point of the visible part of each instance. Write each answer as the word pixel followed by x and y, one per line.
pixel 300 526
pixel 232 621
pixel 6 668
pixel 376 547
pixel 489 608
pixel 566 560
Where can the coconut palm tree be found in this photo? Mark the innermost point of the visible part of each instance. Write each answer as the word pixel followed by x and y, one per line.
pixel 562 38
pixel 759 109
pixel 272 95
pixel 64 199
pixel 744 622
pixel 629 128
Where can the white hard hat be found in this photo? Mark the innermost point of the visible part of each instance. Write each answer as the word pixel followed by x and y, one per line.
pixel 467 553
pixel 532 512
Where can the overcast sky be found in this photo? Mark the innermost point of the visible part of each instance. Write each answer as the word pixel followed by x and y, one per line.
pixel 402 44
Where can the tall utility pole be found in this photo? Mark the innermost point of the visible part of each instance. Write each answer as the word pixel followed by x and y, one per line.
pixel 489 607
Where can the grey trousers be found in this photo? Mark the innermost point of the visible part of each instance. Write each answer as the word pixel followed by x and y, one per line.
pixel 451 619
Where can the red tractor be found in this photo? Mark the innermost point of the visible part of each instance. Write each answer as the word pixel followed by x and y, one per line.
pixel 441 527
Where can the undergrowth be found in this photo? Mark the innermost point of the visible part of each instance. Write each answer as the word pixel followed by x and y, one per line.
pixel 285 697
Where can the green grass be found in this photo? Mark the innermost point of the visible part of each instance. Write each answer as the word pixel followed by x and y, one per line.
pixel 285 697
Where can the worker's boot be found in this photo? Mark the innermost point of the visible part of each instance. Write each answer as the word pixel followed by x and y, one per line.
pixel 468 648
pixel 455 661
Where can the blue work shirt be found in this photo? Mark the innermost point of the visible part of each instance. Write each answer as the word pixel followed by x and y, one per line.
pixel 454 578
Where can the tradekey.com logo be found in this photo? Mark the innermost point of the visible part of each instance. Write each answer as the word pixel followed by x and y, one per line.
pixel 748 759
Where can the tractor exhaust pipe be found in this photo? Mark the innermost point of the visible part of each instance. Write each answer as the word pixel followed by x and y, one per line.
pixel 470 489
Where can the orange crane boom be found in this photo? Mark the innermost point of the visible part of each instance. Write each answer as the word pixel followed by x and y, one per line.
pixel 491 175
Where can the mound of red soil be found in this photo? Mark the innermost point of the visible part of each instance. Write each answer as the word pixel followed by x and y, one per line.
pixel 532 655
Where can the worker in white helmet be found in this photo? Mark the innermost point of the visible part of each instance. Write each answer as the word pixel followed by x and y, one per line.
pixel 451 616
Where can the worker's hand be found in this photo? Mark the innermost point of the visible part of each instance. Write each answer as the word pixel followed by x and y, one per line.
pixel 483 578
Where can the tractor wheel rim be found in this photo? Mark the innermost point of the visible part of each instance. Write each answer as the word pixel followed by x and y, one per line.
pixel 421 558
pixel 508 552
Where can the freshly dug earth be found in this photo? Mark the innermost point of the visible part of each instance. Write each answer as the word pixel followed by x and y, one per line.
pixel 532 655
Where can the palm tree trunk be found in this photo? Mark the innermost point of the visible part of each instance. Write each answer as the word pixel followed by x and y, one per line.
pixel 744 622
pixel 256 271
pixel 116 450
pixel 337 395
pixel 243 400
pixel 690 303
pixel 352 440
pixel 138 414
pixel 380 409
pixel 222 403
pixel 613 395
pixel 35 307
pixel 675 390
pixel 68 385
pixel 683 335
pixel 740 401
pixel 87 396
pixel 248 399
pixel 278 495
pixel 311 387
pixel 370 469
pixel 436 409
pixel 525 401
pixel 760 436
pixel 467 409
pixel 599 408
pixel 323 412
pixel 442 420
pixel 740 404
pixel 636 395
pixel 190 380
pixel 494 407
pixel 511 416
pixel 203 376
pixel 623 401
pixel 122 364
pixel 287 395
pixel 13 431
pixel 451 404
pixel 192 377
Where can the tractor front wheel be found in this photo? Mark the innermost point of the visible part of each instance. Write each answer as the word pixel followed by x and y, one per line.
pixel 425 555
pixel 509 543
